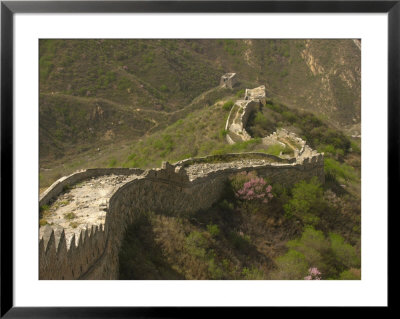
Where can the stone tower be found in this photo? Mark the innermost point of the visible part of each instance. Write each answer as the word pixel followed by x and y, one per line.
pixel 228 80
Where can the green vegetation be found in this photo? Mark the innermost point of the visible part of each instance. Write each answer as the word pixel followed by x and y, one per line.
pixel 329 254
pixel 73 224
pixel 334 169
pixel 42 222
pixel 310 127
pixel 351 274
pixel 230 241
pixel 228 105
pixel 240 93
pixel 213 230
pixel 136 103
pixel 306 202
pixel 44 208
pixel 199 134
pixel 112 162
pixel 108 94
pixel 69 216
pixel 276 149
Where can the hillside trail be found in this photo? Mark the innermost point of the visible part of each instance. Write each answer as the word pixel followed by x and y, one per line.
pixel 170 116
pixel 123 107
pixel 145 84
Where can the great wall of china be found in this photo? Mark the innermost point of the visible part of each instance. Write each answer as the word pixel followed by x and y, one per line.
pixel 92 208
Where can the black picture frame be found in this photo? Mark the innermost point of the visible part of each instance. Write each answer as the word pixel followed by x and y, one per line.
pixel 9 8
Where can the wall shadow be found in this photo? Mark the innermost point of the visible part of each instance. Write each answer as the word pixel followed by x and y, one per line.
pixel 140 257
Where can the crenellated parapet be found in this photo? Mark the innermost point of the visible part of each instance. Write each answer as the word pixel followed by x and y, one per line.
pixel 63 259
pixel 228 80
pixel 181 188
pixel 238 118
pixel 91 251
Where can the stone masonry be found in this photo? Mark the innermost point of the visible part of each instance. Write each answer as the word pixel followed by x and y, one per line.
pixel 228 80
pixel 90 210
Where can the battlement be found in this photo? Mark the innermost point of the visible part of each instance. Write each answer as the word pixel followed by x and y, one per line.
pixel 181 188
pixel 239 116
pixel 228 80
pixel 63 259
pixel 257 93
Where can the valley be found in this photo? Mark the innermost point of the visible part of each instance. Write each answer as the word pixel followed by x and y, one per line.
pixel 263 172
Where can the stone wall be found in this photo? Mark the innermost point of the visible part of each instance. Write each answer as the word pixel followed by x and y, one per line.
pixel 232 157
pixel 94 255
pixel 240 112
pixel 57 261
pixel 237 121
pixel 228 80
pixel 166 189
pixel 257 93
pixel 59 185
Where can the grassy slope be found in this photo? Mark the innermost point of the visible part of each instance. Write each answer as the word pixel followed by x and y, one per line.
pixel 229 240
pixel 102 106
pixel 108 94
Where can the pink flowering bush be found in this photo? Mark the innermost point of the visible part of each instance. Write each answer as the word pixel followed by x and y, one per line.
pixel 313 274
pixel 255 188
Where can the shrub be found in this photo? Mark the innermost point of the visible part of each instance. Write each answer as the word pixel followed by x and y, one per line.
pixel 252 273
pixel 213 230
pixel 292 265
pixel 337 169
pixel 306 202
pixel 223 133
pixel 240 93
pixel 215 271
pixel 69 216
pixel 73 224
pixel 225 205
pixel 239 240
pixel 227 105
pixel 237 181
pixel 261 120
pixel 344 253
pixel 255 189
pixel 275 149
pixel 355 148
pixel 312 245
pixel 317 255
pixel 42 222
pixel 351 274
pixel 163 88
pixel 313 274
pixel 196 244
pixel 43 208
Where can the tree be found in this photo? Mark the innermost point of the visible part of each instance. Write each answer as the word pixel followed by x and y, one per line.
pixel 306 202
